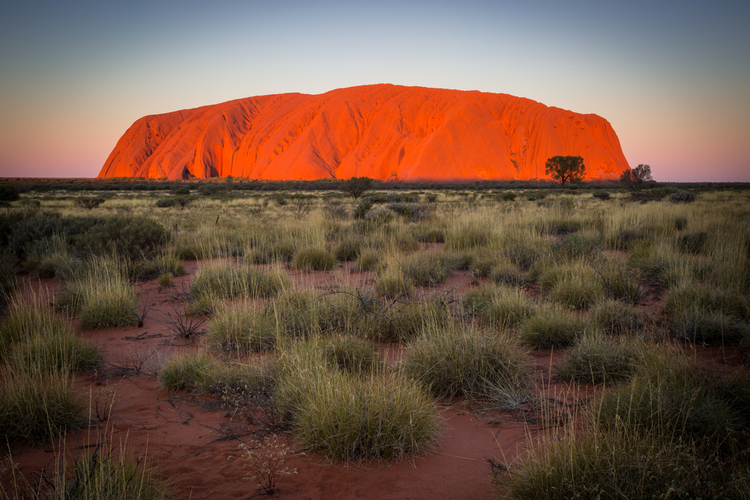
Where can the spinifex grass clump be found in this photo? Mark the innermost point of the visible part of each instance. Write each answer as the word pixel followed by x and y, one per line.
pixel 188 371
pixel 572 284
pixel 37 407
pixel 314 259
pixel 105 473
pixel 708 327
pixel 351 354
pixel 616 317
pixel 468 237
pixel 350 417
pixel 392 282
pixel 402 323
pixel 596 359
pixel 552 326
pixel 226 282
pixel 242 328
pixel 502 307
pixel 54 352
pixel 100 293
pixel 25 321
pixel 425 269
pixel 460 360
pixel 620 464
pixel 678 401
pixel 689 295
pixel 367 260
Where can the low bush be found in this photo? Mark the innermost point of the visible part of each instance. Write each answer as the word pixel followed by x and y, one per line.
pixel 385 418
pixel 682 197
pixel 9 193
pixel 601 195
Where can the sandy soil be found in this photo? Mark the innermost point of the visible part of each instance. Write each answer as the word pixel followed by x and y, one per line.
pixel 195 443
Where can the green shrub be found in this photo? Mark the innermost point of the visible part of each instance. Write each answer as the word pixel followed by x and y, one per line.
pixel 107 304
pixel 551 326
pixel 601 195
pixel 186 372
pixel 682 197
pixel 9 193
pixel 384 418
pixel 459 360
pixel 508 196
pixel 212 189
pixel 362 209
pixel 596 360
pixel 314 259
pixel 124 236
pixel 35 407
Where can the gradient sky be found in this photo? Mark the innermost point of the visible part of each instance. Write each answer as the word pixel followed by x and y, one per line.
pixel 672 79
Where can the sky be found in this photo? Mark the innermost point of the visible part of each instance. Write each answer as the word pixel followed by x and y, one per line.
pixel 673 79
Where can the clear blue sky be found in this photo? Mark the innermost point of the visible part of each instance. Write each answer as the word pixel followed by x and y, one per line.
pixel 672 79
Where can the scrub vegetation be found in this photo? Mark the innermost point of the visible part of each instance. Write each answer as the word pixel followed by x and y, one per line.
pixel 350 321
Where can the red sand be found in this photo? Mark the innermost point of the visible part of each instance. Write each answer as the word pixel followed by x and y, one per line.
pixel 196 448
pixel 382 131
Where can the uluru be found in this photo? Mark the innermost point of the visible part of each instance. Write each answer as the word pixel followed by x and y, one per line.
pixel 382 131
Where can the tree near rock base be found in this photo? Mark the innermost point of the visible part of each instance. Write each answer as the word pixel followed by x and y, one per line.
pixel 635 178
pixel 565 169
pixel 356 186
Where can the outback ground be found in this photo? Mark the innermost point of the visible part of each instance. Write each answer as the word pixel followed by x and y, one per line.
pixel 509 319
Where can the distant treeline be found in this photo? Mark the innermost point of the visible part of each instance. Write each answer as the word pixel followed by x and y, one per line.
pixel 242 184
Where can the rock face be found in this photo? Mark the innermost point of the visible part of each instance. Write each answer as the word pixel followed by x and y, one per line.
pixel 380 131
